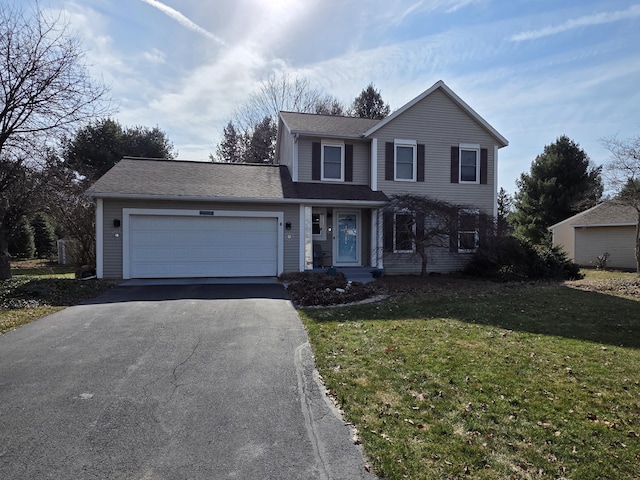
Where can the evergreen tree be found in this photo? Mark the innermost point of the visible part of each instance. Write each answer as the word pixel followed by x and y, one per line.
pixel 505 209
pixel 232 147
pixel 369 104
pixel 262 142
pixel 561 183
pixel 100 145
pixel 21 244
pixel 44 236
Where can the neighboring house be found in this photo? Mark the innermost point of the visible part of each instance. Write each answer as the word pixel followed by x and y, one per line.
pixel 322 204
pixel 609 227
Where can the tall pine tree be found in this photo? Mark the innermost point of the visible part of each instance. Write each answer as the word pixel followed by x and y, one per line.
pixel 561 183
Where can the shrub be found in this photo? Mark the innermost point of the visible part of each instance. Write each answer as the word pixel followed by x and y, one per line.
pixel 508 258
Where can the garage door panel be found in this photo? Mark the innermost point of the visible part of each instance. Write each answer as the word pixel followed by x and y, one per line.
pixel 191 246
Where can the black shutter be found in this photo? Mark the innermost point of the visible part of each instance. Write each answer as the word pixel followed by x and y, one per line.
pixel 316 154
pixel 484 165
pixel 484 224
pixel 421 159
pixel 348 163
pixel 455 165
pixel 453 236
pixel 387 230
pixel 389 155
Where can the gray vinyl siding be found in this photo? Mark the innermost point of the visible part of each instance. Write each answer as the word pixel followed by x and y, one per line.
pixel 361 160
pixel 286 151
pixel 439 260
pixel 112 245
pixel 438 123
pixel 619 242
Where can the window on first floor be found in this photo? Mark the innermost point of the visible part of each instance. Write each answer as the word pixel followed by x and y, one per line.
pixel 468 225
pixel 403 233
pixel 318 224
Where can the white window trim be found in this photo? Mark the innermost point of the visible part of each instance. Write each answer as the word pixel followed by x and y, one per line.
pixel 332 144
pixel 322 236
pixel 413 243
pixel 405 143
pixel 476 213
pixel 470 147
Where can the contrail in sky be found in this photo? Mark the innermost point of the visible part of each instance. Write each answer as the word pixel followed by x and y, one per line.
pixel 181 19
pixel 586 21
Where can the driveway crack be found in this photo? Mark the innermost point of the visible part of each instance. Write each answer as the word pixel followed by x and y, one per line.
pixel 176 374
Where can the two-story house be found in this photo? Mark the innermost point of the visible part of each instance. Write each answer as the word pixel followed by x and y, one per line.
pixel 323 204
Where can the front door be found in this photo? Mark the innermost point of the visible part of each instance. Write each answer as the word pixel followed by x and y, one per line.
pixel 346 246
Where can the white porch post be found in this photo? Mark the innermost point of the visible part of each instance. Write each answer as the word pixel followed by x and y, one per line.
pixel 306 241
pixel 99 238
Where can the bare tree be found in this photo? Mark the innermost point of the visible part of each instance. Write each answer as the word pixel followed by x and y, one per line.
pixel 418 223
pixel 623 174
pixel 276 94
pixel 45 90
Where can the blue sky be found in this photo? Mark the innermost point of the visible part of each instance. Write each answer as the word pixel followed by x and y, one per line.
pixel 534 69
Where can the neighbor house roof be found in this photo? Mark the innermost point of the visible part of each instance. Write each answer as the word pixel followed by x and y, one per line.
pixel 326 125
pixel 184 180
pixel 607 214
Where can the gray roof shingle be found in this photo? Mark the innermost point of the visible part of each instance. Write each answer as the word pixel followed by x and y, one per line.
pixel 137 177
pixel 607 213
pixel 314 124
pixel 149 177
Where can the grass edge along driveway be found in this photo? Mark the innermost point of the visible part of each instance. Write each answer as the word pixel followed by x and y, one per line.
pixel 537 382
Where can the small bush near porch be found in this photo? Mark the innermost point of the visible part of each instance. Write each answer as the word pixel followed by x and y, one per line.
pixel 525 381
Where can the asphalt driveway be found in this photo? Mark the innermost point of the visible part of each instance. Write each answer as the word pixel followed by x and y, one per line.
pixel 169 382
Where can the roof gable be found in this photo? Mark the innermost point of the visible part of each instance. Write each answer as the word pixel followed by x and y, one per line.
pixel 440 85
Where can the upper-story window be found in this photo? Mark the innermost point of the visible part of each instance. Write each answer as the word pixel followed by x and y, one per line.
pixel 332 162
pixel 405 162
pixel 469 163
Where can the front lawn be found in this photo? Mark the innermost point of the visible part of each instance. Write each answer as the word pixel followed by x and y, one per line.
pixel 39 288
pixel 538 381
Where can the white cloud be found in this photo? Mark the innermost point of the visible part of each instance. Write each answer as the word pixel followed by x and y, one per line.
pixel 182 20
pixel 585 21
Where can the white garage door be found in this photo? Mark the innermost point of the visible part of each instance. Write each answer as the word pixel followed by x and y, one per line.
pixel 188 246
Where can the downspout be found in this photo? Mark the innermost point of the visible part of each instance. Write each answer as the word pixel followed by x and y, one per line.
pixel 99 238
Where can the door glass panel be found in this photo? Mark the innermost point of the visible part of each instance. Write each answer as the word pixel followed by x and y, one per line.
pixel 347 238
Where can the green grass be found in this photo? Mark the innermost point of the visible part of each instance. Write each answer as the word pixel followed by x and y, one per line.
pixel 538 382
pixel 37 289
